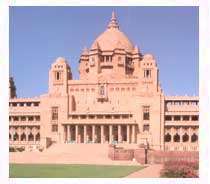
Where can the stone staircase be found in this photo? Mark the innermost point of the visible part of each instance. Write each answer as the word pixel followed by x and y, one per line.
pixel 84 153
pixel 70 154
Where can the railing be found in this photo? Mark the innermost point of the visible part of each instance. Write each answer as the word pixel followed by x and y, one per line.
pixel 182 108
pixel 24 123
pixel 100 121
pixel 25 109
pixel 182 147
pixel 184 123
pixel 24 143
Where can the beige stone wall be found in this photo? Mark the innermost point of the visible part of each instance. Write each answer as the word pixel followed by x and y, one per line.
pixel 110 103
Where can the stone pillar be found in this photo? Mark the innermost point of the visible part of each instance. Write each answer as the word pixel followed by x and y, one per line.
pixel 68 132
pixel 133 133
pixel 79 134
pixel 85 133
pixel 172 135
pixel 110 134
pixel 119 134
pixel 12 137
pixel 26 132
pixel 181 134
pixel 190 134
pixel 102 134
pixel 128 134
pixel 93 133
pixel 76 133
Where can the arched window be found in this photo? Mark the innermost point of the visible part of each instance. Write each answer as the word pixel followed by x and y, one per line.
pixel 185 138
pixel 38 137
pixel 147 73
pixel 176 138
pixel 57 76
pixel 30 137
pixel 194 138
pixel 23 137
pixel 101 92
pixel 10 137
pixel 16 137
pixel 167 137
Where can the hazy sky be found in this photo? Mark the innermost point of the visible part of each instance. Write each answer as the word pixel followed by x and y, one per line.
pixel 38 35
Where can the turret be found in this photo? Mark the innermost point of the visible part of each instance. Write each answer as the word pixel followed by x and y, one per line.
pixel 149 73
pixel 84 64
pixel 94 60
pixel 59 75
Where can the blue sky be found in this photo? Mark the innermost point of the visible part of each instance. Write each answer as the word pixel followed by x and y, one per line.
pixel 38 35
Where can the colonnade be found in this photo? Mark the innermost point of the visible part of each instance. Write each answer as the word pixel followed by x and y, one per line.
pixel 181 135
pixel 26 134
pixel 100 133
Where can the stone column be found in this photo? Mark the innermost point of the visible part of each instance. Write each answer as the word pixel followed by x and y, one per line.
pixel 85 133
pixel 102 134
pixel 190 134
pixel 79 134
pixel 172 135
pixel 68 131
pixel 119 134
pixel 110 134
pixel 26 132
pixel 181 134
pixel 76 133
pixel 133 133
pixel 93 133
pixel 128 134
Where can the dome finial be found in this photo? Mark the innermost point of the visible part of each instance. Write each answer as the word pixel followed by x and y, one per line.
pixel 113 15
pixel 113 23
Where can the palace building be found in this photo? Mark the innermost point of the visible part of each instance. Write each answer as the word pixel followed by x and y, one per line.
pixel 117 100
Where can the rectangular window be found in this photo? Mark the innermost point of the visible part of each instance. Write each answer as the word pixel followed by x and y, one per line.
pixel 99 116
pixel 177 118
pixel 30 118
pixel 83 116
pixel 168 118
pixel 194 118
pixel 125 116
pixel 146 128
pixel 54 113
pixel 15 118
pixel 116 117
pixel 146 114
pixel 147 73
pixel 186 118
pixel 75 117
pixel 54 128
pixel 108 116
pixel 101 90
pixel 91 116
pixel 37 118
pixel 23 118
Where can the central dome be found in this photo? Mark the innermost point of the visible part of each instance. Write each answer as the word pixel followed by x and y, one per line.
pixel 113 38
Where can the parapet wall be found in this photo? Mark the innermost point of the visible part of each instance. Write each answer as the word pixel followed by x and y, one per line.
pixel 143 156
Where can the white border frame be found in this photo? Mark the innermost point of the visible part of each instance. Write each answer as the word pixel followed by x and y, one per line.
pixel 204 87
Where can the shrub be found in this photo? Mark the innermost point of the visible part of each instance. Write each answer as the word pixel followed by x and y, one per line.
pixel 12 149
pixel 20 149
pixel 179 169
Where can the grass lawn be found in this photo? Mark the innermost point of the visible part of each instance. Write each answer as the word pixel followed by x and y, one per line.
pixel 69 171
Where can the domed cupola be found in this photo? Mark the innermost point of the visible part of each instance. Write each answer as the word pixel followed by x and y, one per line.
pixel 112 56
pixel 112 36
